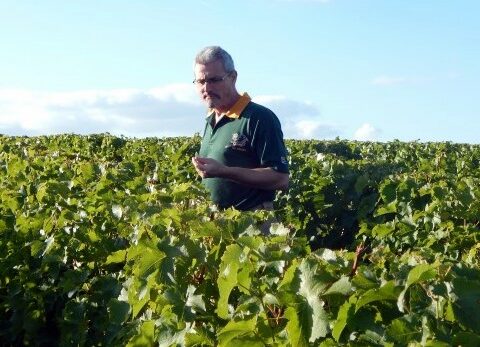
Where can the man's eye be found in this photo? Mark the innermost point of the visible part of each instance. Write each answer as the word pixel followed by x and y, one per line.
pixel 212 80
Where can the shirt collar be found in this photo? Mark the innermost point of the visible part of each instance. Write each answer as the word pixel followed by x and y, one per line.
pixel 236 110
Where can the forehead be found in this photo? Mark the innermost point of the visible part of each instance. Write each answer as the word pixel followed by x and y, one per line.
pixel 210 69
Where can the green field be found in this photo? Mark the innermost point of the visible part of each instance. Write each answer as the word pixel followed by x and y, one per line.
pixel 108 241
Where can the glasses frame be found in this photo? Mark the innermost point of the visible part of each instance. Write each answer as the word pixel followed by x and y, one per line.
pixel 211 80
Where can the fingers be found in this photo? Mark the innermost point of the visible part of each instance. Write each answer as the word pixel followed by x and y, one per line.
pixel 199 166
pixel 207 167
pixel 200 160
pixel 195 165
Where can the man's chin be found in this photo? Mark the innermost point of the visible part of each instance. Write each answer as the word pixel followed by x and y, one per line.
pixel 210 103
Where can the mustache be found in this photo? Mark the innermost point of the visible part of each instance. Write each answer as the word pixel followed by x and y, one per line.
pixel 212 95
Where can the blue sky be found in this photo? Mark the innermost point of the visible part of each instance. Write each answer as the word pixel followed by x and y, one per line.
pixel 354 69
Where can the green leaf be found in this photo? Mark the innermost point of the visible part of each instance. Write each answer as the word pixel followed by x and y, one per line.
pixel 74 324
pixel 279 229
pixel 3 226
pixel 290 280
pixel 467 305
pixel 298 326
pixel 41 191
pixel 342 287
pixel 171 334
pixel 73 279
pixel 361 183
pixel 466 339
pixel 403 331
pixel 382 230
pixel 387 292
pixel 118 311
pixel 200 337
pixel 385 209
pixel 227 277
pixel 244 278
pixel 117 257
pixel 328 343
pixel 421 272
pixel 320 320
pixel 147 258
pixel 49 243
pixel 36 248
pixel 194 301
pixel 307 321
pixel 253 242
pixel 388 191
pixel 311 286
pixel 86 170
pixel 444 344
pixel 236 330
pixel 245 341
pixel 145 337
pixel 345 313
pixel 364 279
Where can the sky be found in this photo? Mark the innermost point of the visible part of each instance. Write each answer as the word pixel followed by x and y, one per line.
pixel 368 70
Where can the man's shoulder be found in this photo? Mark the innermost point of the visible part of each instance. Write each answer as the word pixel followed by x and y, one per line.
pixel 255 111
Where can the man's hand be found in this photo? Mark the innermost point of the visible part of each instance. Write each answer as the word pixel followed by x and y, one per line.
pixel 263 178
pixel 208 167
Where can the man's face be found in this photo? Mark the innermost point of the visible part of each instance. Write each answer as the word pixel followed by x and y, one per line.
pixel 215 86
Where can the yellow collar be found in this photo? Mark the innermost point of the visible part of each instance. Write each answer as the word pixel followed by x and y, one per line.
pixel 237 108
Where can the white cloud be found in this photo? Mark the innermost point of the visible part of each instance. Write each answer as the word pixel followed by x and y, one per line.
pixel 299 119
pixel 168 111
pixel 172 110
pixel 366 132
pixel 315 129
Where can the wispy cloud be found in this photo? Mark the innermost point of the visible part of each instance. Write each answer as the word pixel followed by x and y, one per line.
pixel 366 132
pixel 300 119
pixel 168 111
pixel 172 110
pixel 315 129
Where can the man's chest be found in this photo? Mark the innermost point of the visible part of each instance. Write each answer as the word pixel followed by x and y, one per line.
pixel 226 141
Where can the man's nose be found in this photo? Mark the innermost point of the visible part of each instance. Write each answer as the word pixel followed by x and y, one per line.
pixel 207 86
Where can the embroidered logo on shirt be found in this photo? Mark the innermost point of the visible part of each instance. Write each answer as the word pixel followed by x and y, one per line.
pixel 238 142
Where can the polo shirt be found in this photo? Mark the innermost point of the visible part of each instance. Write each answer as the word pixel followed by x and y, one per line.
pixel 249 135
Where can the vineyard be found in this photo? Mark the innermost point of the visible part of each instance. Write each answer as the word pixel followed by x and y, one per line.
pixel 111 241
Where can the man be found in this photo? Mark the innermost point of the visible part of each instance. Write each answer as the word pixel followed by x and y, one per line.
pixel 242 158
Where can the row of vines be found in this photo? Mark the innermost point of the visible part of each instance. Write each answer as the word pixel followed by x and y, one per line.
pixel 111 241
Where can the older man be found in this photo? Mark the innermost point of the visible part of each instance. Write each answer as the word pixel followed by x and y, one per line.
pixel 242 158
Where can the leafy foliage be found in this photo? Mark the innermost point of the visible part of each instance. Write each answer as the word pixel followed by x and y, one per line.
pixel 113 241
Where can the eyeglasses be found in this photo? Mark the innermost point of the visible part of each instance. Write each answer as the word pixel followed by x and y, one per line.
pixel 211 80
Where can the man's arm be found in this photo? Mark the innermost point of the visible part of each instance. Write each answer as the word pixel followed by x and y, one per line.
pixel 263 178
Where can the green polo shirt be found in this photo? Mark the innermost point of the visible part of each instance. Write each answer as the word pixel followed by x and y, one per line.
pixel 248 136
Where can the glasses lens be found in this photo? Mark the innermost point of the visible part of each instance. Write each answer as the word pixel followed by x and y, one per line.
pixel 212 80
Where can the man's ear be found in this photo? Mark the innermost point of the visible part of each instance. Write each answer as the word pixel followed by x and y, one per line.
pixel 234 75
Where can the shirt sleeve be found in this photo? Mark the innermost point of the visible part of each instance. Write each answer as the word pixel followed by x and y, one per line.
pixel 268 143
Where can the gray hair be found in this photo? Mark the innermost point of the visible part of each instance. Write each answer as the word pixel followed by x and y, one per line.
pixel 213 53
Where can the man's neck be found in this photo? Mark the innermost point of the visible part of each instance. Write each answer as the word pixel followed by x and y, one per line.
pixel 218 117
pixel 224 109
